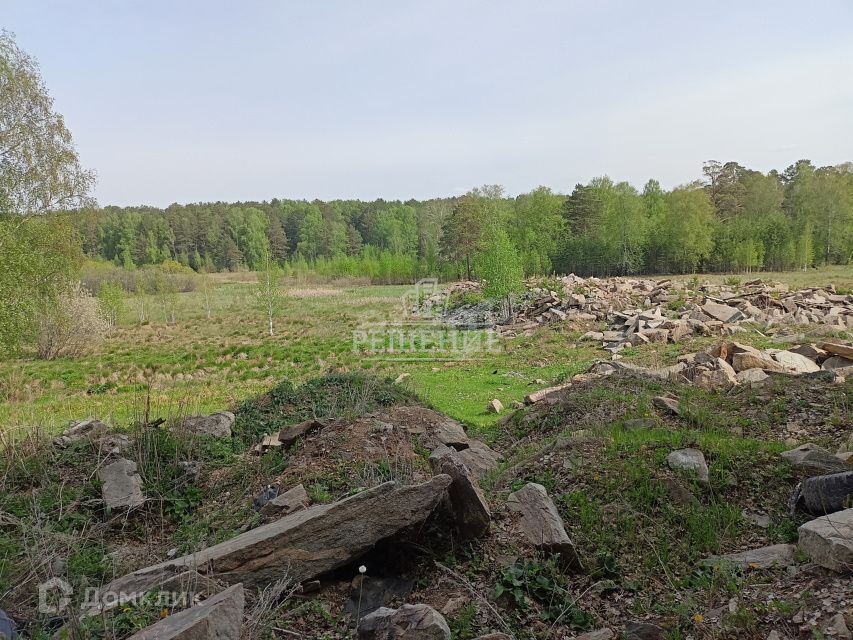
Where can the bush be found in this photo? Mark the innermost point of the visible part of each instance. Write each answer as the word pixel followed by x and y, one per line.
pixel 72 326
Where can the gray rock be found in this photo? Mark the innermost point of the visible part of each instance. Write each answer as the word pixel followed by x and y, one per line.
pixel 290 501
pixel 307 543
pixel 828 541
pixel 430 427
pixel 217 618
pixel 479 458
pixel 87 428
pixel 8 628
pixel 813 460
pixel 541 523
pixel 692 461
pixel 409 622
pixel 820 495
pixel 643 631
pixel 122 486
pixel 217 425
pixel 837 627
pixel 495 406
pixel 776 555
pixel 838 363
pixel 467 502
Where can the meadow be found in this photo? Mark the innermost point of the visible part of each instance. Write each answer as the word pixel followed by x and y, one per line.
pixel 218 353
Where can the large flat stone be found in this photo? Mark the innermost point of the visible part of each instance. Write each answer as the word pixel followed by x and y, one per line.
pixel 305 544
pixel 691 461
pixel 217 618
pixel 409 622
pixel 828 541
pixel 216 425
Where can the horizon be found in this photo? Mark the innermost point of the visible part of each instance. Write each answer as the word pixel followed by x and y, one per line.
pixel 207 103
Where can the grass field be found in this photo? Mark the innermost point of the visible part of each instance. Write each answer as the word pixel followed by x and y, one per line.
pixel 202 364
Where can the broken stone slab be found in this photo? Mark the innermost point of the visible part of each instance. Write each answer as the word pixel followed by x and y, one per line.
pixel 776 555
pixel 542 394
pixel 541 523
pixel 305 544
pixel 828 541
pixel 84 429
pixel 122 485
pixel 692 461
pixel 409 622
pixel 480 459
pixel 216 425
pixel 813 460
pixel 722 312
pixel 820 495
pixel 468 505
pixel 795 362
pixel 843 350
pixel 811 352
pixel 495 406
pixel 749 360
pixel 290 501
pixel 217 618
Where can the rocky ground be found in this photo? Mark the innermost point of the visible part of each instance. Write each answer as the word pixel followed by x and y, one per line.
pixel 706 499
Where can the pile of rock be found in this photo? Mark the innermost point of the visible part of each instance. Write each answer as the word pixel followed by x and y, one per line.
pixel 643 310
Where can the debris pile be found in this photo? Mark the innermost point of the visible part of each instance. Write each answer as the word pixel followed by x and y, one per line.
pixel 645 310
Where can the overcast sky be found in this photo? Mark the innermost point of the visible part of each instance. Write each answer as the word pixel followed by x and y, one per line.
pixel 180 101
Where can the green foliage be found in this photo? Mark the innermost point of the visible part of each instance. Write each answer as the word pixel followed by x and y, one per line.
pixel 529 580
pixel 498 264
pixel 111 302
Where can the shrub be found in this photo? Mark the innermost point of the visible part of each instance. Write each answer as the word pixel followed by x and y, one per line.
pixel 72 326
pixel 111 302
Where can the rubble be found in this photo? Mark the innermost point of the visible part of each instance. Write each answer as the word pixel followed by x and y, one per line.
pixel 87 428
pixel 646 310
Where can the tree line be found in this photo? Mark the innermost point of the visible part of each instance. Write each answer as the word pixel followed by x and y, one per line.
pixel 733 219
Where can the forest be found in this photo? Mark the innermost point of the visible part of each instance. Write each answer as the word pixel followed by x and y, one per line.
pixel 733 219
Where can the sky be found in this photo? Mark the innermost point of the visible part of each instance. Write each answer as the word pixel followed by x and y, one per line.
pixel 206 100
